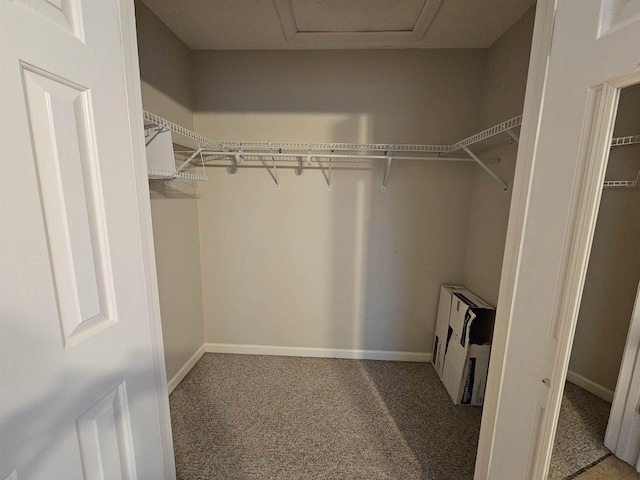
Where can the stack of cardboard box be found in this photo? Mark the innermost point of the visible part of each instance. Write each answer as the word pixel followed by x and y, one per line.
pixel 463 343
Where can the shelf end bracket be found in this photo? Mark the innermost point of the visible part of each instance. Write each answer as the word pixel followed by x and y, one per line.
pixel 387 171
pixel 513 135
pixel 186 163
pixel 485 168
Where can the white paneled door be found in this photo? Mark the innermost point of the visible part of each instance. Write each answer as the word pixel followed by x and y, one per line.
pixel 81 375
pixel 584 52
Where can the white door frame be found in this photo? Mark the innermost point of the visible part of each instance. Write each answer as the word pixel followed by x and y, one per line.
pixel 136 127
pixel 536 78
pixel 587 214
pixel 589 190
pixel 623 427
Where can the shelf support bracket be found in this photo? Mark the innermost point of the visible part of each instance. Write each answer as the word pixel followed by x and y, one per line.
pixel 485 168
pixel 275 172
pixel 300 168
pixel 236 160
pixel 186 163
pixel 157 131
pixel 329 181
pixel 387 171
pixel 514 135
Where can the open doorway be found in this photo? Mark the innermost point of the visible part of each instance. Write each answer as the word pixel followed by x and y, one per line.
pixel 607 304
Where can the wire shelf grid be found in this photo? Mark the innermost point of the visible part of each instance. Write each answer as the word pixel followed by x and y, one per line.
pixel 153 120
pixel 304 148
pixel 156 174
pixel 630 140
pixel 489 132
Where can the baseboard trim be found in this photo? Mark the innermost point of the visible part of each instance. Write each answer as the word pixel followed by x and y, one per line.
pixel 186 368
pixel 317 352
pixel 590 386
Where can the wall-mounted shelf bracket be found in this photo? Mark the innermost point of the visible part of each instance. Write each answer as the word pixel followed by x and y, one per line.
pixel 157 130
pixel 326 173
pixel 485 168
pixel 235 160
pixel 193 156
pixel 274 171
pixel 514 135
pixel 300 168
pixel 387 171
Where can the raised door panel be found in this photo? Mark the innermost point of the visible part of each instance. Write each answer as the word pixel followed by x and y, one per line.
pixel 62 132
pixel 76 320
pixel 106 445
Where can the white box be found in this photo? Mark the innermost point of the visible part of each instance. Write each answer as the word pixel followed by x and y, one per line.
pixel 160 157
pixel 462 344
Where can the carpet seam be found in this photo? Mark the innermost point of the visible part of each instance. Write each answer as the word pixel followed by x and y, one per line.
pixel 591 465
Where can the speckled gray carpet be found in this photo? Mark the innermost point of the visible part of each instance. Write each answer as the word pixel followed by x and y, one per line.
pixel 580 434
pixel 279 418
pixel 267 418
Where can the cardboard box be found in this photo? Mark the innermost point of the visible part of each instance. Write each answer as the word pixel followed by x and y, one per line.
pixel 462 344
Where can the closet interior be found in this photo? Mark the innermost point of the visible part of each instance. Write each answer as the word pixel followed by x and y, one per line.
pixel 609 295
pixel 343 187
pixel 614 264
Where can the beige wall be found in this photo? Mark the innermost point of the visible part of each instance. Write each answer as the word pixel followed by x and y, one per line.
pixel 165 74
pixel 614 266
pixel 351 268
pixel 165 69
pixel 502 98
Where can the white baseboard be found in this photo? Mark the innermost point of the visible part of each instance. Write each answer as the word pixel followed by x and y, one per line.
pixel 186 368
pixel 590 386
pixel 317 352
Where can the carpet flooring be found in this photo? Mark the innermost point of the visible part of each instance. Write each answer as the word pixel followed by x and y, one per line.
pixel 266 417
pixel 580 433
pixel 279 418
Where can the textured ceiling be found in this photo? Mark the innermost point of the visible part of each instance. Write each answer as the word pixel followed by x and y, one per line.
pixel 314 24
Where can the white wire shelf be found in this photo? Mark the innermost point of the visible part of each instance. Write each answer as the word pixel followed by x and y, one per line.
pixel 622 183
pixel 240 151
pixel 156 174
pixel 246 156
pixel 156 125
pixel 153 120
pixel 621 141
pixel 304 148
pixel 503 127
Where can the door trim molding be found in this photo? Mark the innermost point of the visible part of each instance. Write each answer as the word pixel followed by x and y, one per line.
pixel 143 206
pixel 595 160
pixel 619 433
pixel 518 212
